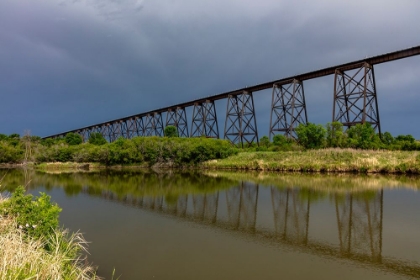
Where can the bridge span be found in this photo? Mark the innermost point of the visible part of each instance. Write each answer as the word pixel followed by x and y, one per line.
pixel 355 101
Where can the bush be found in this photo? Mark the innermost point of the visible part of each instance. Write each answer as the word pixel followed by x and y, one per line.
pixel 311 136
pixel 171 131
pixel 73 139
pixel 363 136
pixel 37 218
pixel 97 138
pixel 336 138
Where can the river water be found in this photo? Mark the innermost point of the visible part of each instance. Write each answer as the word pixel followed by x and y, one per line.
pixel 219 225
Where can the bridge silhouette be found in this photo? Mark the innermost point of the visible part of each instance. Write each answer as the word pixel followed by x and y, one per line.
pixel 355 101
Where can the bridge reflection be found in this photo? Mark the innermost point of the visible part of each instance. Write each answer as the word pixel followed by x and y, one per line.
pixel 359 218
pixel 283 216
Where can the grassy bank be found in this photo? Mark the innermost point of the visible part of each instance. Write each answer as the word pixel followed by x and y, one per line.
pixel 325 160
pixel 33 247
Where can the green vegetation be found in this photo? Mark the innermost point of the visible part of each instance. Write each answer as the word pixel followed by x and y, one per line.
pixel 173 151
pixel 97 138
pixel 324 160
pixel 167 151
pixel 171 131
pixel 31 244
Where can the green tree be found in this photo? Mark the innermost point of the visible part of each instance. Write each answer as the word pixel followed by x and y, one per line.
pixel 408 138
pixel 73 139
pixel 97 138
pixel 311 136
pixel 335 135
pixel 363 136
pixel 388 139
pixel 171 131
pixel 265 142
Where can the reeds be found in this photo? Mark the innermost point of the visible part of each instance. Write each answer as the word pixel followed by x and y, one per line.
pixel 26 258
pixel 325 160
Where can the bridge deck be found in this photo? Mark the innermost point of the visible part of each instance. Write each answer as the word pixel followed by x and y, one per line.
pixel 302 77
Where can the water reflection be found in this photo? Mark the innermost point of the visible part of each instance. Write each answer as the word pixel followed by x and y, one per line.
pixel 235 205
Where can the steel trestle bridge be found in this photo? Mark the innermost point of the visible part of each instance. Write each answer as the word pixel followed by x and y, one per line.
pixel 355 101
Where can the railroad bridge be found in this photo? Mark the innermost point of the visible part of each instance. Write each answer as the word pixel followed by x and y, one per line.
pixel 355 101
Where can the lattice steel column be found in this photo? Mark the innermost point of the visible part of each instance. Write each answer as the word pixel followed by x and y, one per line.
pixel 140 128
pixel 359 221
pixel 240 123
pixel 154 125
pixel 288 108
pixel 84 133
pixel 204 120
pixel 355 98
pixel 178 118
pixel 129 128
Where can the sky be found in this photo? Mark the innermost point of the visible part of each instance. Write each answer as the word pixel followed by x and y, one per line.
pixel 66 64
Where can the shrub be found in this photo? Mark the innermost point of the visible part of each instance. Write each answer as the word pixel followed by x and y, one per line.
pixel 311 136
pixel 73 139
pixel 171 131
pixel 97 138
pixel 37 218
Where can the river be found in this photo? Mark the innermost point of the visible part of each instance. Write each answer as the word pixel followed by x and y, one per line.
pixel 220 225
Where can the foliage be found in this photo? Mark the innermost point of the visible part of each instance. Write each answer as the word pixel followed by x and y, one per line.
pixel 336 138
pixel 37 218
pixel 10 153
pixel 387 138
pixel 40 250
pixel 265 142
pixel 311 136
pixel 73 139
pixel 97 138
pixel 171 131
pixel 363 136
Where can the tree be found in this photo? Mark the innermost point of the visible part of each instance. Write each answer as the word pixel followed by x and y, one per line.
pixel 335 135
pixel 73 138
pixel 387 138
pixel 311 136
pixel 171 131
pixel 97 138
pixel 265 142
pixel 363 136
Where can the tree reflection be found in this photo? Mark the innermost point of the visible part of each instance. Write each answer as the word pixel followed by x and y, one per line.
pixel 233 205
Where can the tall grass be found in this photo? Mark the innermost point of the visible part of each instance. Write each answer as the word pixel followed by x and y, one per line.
pixel 23 258
pixel 325 160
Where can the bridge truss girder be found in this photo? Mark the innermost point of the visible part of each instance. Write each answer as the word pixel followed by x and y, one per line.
pixel 355 98
pixel 204 120
pixel 178 118
pixel 240 122
pixel 154 125
pixel 288 108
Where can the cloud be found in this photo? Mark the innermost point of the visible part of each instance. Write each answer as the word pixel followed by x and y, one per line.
pixel 75 63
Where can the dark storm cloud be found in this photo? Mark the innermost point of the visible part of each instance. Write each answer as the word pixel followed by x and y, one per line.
pixel 75 63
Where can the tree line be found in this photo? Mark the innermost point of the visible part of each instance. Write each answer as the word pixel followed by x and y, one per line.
pixel 177 151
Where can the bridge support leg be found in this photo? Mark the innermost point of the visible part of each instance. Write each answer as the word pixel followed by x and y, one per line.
pixel 178 118
pixel 140 128
pixel 355 98
pixel 288 108
pixel 240 123
pixel 359 221
pixel 154 125
pixel 204 120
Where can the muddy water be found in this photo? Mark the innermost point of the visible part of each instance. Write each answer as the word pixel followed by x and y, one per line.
pixel 152 225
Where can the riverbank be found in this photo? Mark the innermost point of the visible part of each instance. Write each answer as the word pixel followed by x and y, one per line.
pixel 323 160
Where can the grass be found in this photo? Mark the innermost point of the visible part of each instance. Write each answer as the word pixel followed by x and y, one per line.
pixel 325 160
pixel 26 258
